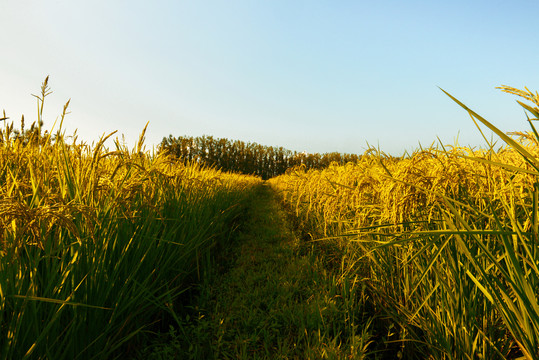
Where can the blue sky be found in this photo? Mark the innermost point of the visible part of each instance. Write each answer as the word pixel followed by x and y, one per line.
pixel 314 76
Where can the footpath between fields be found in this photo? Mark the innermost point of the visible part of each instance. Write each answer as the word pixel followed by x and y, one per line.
pixel 277 297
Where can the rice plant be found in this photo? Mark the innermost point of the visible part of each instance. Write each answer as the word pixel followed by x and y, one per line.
pixel 446 238
pixel 98 244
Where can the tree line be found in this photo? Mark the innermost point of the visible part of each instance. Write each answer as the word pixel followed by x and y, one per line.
pixel 247 158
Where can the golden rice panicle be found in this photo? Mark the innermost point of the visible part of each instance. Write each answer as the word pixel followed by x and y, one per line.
pixel 528 95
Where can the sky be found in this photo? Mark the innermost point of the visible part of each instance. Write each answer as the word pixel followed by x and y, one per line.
pixel 315 76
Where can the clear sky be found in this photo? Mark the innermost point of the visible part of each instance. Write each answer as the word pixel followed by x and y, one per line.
pixel 314 76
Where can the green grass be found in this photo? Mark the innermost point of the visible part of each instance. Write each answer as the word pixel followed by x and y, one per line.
pixel 279 298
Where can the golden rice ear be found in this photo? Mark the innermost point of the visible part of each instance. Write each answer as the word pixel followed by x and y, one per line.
pixel 528 95
pixel 5 117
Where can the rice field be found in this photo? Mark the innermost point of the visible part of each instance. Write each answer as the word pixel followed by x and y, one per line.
pixel 98 245
pixel 445 239
pixel 434 253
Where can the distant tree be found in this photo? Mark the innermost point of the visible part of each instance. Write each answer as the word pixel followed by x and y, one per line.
pixel 247 158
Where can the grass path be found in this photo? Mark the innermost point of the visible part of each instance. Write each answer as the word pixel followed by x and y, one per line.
pixel 278 299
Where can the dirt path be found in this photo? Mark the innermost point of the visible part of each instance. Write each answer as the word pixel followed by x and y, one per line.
pixel 278 299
